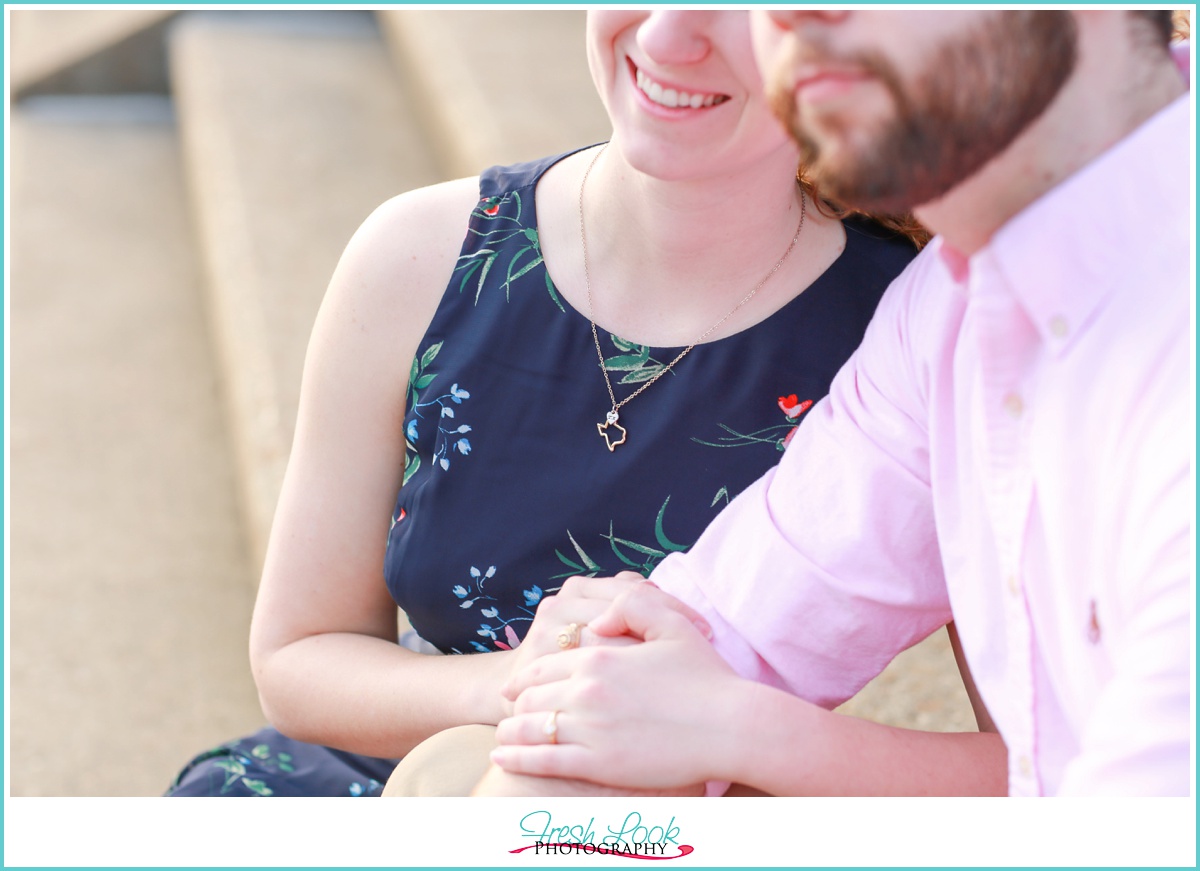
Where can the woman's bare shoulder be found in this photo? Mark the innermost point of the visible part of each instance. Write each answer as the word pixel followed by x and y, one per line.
pixel 409 244
pixel 397 265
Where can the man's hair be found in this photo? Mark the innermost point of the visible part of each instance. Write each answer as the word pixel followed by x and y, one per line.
pixel 1159 23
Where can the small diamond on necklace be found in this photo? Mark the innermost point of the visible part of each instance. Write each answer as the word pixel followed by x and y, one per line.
pixel 612 416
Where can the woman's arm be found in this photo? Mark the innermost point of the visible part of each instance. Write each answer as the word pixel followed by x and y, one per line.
pixel 323 639
pixel 671 712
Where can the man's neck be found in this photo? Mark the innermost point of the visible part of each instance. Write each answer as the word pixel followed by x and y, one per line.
pixel 1115 88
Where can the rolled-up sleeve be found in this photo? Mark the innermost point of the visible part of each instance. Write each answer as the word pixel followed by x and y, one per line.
pixel 818 574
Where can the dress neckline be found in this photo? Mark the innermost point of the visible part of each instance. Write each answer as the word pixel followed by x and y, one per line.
pixel 815 288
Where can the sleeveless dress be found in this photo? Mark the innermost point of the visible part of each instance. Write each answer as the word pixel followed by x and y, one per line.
pixel 509 486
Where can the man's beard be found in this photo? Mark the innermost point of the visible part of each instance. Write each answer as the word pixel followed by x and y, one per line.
pixel 973 98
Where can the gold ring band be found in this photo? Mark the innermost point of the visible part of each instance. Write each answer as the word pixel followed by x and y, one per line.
pixel 551 727
pixel 568 638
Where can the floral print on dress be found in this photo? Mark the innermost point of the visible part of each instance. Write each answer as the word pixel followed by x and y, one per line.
pixel 497 221
pixel 490 611
pixel 631 555
pixel 454 434
pixel 634 361
pixel 779 435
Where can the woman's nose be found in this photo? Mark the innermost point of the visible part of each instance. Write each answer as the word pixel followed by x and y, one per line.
pixel 676 37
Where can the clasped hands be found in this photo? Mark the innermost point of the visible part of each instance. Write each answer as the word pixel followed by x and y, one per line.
pixel 612 686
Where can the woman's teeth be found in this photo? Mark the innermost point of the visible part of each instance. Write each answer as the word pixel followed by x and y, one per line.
pixel 675 99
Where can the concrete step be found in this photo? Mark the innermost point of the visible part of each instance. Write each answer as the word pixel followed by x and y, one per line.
pixel 920 689
pixel 294 128
pixel 497 86
pixel 130 584
pixel 75 51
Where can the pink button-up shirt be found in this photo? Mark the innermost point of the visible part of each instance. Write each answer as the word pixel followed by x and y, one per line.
pixel 1012 443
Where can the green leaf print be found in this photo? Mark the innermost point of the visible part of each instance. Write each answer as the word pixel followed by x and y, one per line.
pixel 574 567
pixel 231 765
pixel 414 463
pixel 513 276
pixel 430 353
pixel 553 293
pixel 591 564
pixel 644 374
pixel 641 558
pixel 623 345
pixel 425 380
pixel 626 362
pixel 257 787
pixel 262 751
pixel 663 541
pixel 487 267
pixel 632 545
pixel 503 229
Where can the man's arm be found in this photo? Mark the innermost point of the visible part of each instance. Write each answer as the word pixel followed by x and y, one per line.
pixel 817 575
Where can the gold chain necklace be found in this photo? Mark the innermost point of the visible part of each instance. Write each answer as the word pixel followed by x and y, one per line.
pixel 614 415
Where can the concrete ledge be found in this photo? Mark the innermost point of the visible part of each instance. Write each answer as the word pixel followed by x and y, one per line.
pixel 294 128
pixel 87 52
pixel 130 594
pixel 496 86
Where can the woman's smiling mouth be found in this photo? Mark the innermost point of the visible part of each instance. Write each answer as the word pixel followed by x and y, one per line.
pixel 674 98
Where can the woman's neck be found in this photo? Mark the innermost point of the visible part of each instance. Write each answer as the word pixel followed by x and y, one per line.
pixel 667 258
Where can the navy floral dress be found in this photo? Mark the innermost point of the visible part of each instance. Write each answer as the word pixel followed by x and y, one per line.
pixel 509 487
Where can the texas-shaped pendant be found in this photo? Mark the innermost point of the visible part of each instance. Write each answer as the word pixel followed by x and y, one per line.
pixel 609 438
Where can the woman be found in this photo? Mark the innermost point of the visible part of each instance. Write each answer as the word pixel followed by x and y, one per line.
pixel 465 375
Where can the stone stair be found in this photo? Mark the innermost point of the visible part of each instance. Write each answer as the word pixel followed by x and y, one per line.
pixel 131 584
pixel 169 254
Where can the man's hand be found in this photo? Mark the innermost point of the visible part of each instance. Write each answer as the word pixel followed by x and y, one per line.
pixel 641 716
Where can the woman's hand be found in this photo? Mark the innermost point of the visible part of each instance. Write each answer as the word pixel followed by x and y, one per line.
pixel 650 716
pixel 563 622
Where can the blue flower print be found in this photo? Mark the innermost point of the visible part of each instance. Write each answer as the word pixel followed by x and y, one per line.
pixel 452 437
pixel 499 629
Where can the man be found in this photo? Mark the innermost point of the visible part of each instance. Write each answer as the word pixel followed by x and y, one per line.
pixel 1011 443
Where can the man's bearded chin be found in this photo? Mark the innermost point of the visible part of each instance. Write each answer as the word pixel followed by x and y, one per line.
pixel 974 96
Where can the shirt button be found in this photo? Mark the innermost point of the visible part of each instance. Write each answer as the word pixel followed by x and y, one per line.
pixel 1014 405
pixel 1058 326
pixel 1013 586
pixel 1025 765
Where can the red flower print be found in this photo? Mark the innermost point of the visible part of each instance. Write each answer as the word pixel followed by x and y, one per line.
pixel 792 406
pixel 492 210
pixel 787 438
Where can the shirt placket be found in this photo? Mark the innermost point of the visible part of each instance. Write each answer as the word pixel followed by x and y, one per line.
pixel 1006 342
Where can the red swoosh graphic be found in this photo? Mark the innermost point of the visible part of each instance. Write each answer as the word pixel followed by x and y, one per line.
pixel 601 850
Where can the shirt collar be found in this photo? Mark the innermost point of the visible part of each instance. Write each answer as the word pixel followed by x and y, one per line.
pixel 1062 255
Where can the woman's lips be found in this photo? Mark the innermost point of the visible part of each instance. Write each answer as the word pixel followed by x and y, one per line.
pixel 671 97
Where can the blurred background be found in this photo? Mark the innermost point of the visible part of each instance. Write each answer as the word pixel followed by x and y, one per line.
pixel 182 184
